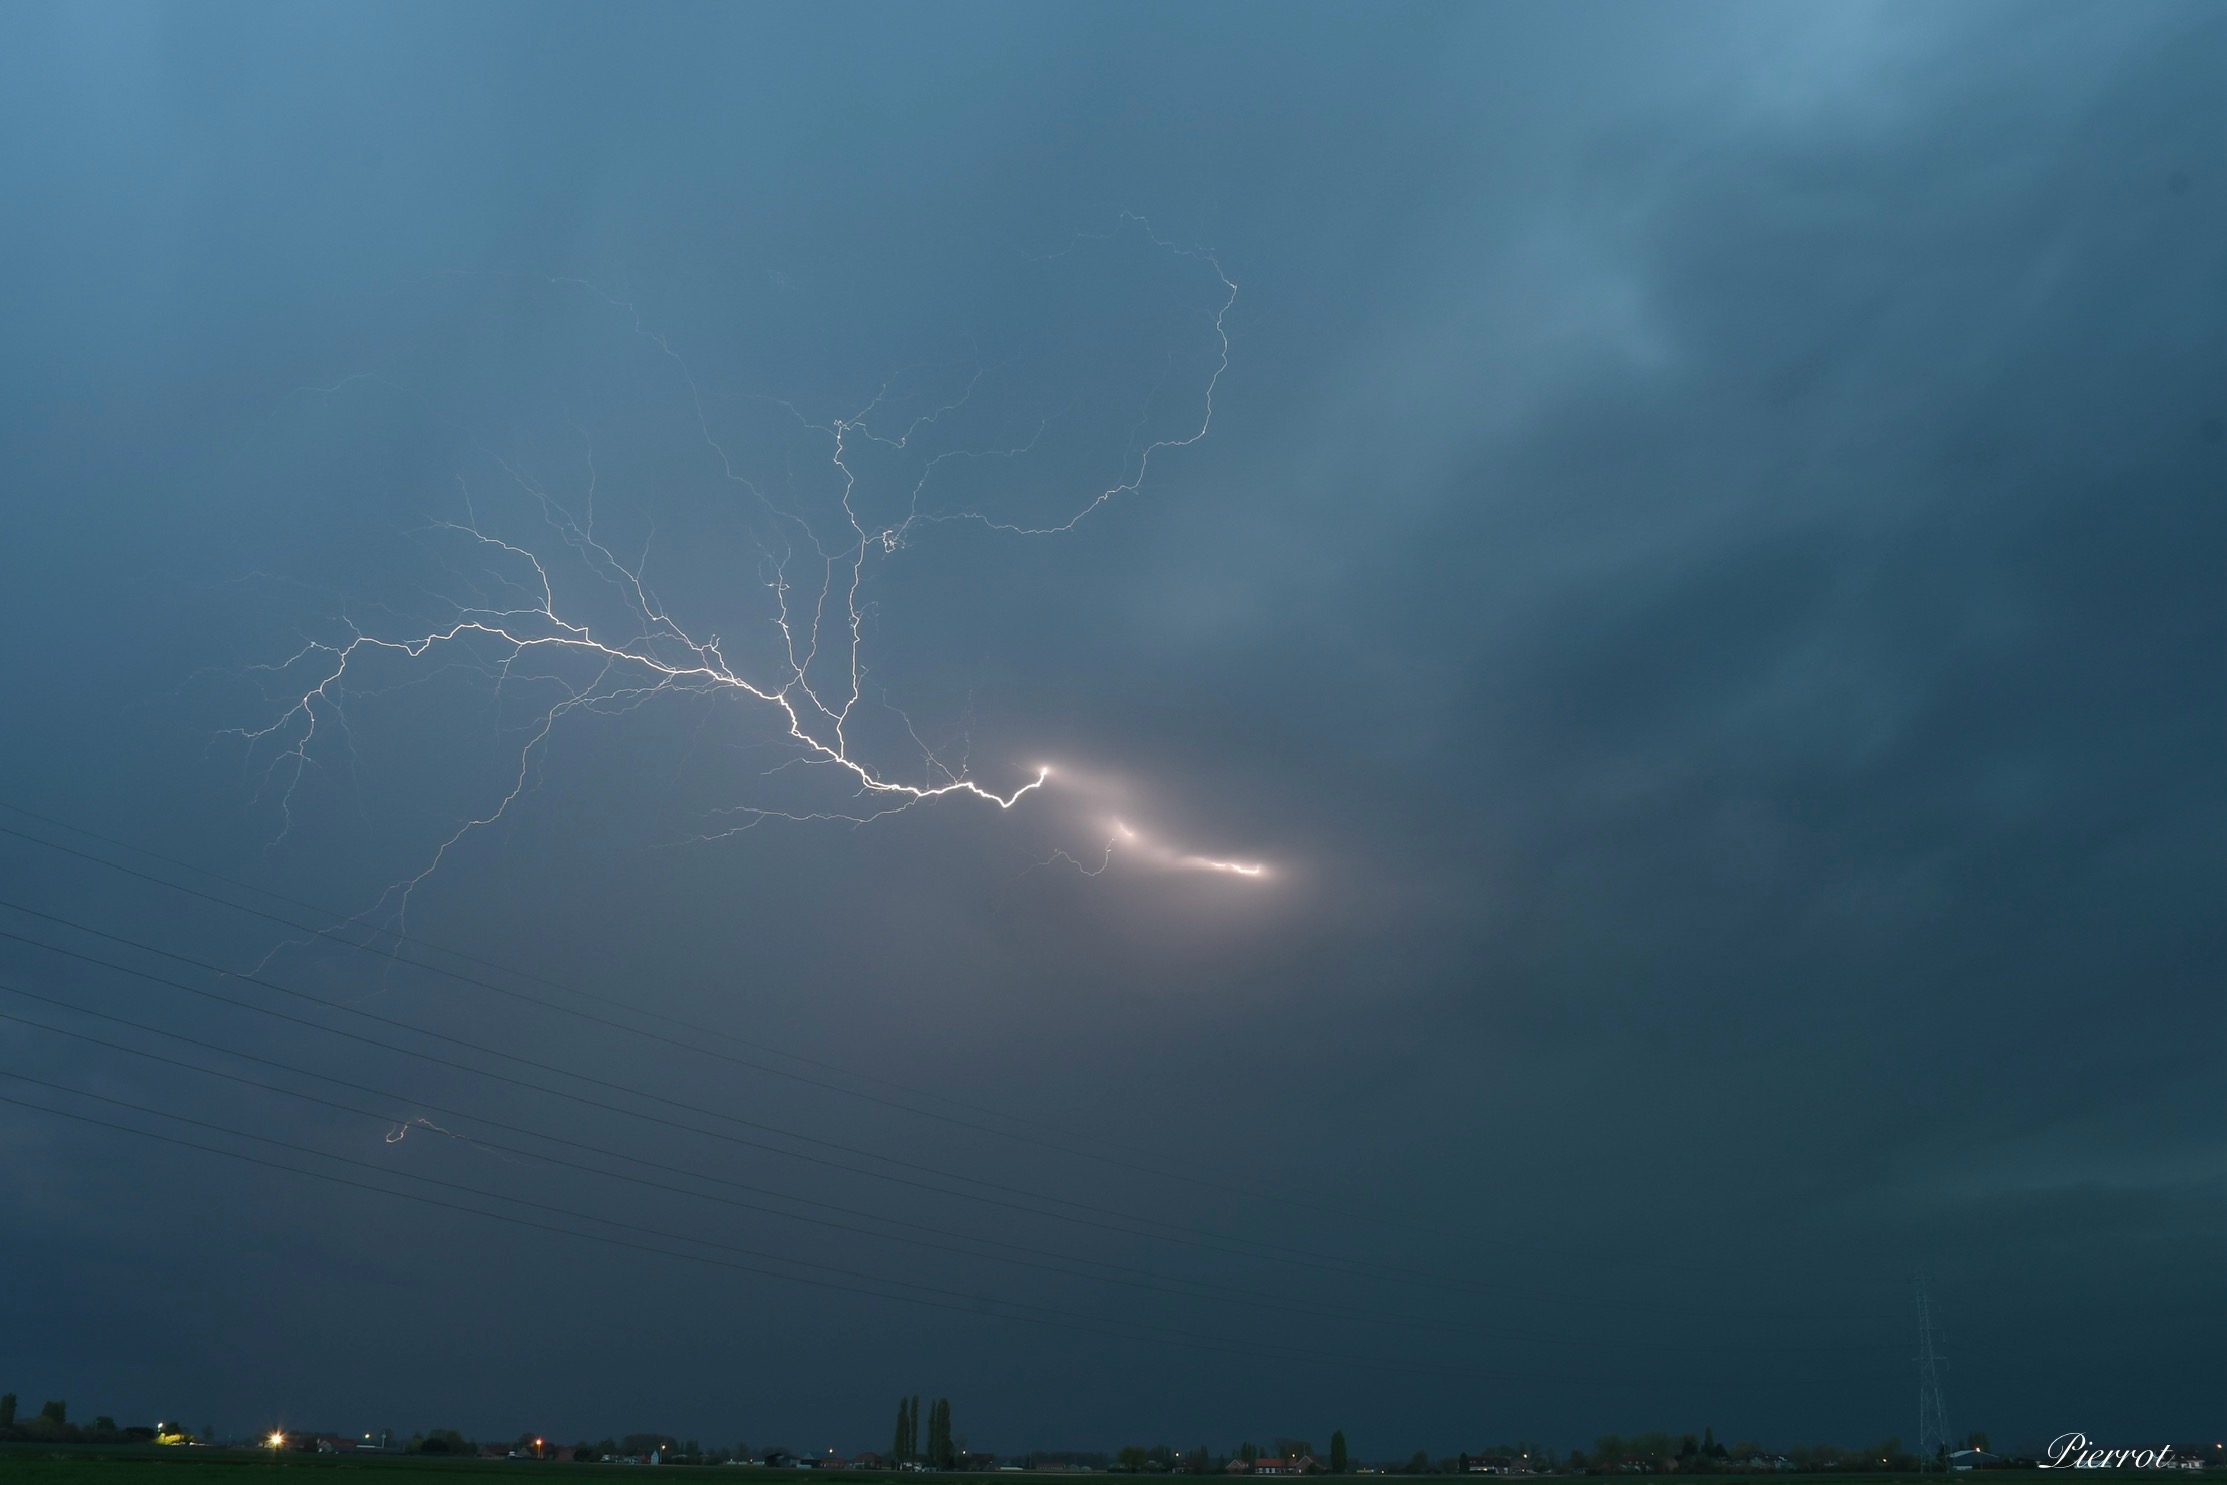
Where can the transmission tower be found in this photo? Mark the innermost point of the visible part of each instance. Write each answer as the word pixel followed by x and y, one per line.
pixel 1933 1423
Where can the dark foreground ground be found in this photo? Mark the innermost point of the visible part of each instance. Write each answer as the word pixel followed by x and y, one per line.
pixel 32 1464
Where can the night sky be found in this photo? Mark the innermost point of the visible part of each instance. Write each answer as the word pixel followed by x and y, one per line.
pixel 1684 542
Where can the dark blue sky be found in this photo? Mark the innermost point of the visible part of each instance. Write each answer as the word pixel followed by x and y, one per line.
pixel 1701 588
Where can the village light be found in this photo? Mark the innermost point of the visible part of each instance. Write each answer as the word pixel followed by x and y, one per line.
pixel 277 1439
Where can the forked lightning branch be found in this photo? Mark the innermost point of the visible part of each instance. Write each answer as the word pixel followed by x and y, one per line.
pixel 548 607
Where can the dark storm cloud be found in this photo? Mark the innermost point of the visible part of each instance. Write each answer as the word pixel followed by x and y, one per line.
pixel 1704 581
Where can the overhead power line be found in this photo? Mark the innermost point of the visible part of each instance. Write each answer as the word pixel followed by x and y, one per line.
pixel 648 1239
pixel 1124 1274
pixel 1223 1181
pixel 1254 1249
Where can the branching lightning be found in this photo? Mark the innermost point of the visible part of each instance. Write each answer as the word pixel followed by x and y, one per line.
pixel 555 614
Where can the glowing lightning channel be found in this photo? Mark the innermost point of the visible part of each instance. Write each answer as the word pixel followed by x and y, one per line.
pixel 1154 854
pixel 519 621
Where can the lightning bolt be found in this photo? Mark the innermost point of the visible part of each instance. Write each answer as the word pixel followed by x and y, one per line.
pixel 556 614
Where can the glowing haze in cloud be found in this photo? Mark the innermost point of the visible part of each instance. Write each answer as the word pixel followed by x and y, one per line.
pixel 564 620
pixel 1133 846
pixel 1139 848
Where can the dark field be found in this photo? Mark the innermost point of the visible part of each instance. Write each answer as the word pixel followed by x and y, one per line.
pixel 24 1464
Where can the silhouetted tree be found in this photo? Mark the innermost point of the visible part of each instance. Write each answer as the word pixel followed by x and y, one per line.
pixel 1338 1460
pixel 903 1435
pixel 940 1454
pixel 7 1410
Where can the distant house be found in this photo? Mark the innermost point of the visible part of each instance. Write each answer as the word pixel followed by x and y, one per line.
pixel 1487 1464
pixel 1973 1459
pixel 1268 1465
pixel 1239 1466
pixel 868 1461
pixel 333 1443
pixel 978 1463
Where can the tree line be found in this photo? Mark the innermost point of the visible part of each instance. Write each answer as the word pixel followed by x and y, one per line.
pixel 51 1425
pixel 1654 1452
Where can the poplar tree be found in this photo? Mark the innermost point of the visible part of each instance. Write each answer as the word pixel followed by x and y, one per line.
pixel 940 1453
pixel 1337 1452
pixel 902 1438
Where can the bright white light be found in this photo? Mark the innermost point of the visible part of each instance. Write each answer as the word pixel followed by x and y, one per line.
pixel 1141 850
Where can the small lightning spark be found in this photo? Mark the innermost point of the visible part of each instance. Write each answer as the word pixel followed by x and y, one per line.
pixel 1105 857
pixel 616 647
pixel 395 1135
pixel 401 1131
